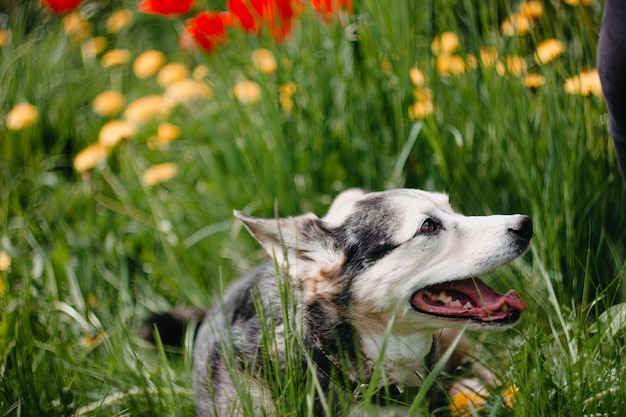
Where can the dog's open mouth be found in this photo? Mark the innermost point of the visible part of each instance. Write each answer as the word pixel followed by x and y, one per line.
pixel 471 299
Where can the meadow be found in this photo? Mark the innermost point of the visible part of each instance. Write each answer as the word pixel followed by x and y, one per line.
pixel 113 206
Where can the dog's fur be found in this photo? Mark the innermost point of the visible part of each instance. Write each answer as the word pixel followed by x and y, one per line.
pixel 370 279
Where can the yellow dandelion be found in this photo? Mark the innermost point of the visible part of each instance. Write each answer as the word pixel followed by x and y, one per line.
pixel 584 84
pixel 531 9
pixel 146 108
pixel 463 402
pixel 148 63
pixel 76 26
pixel 446 43
pixel 286 92
pixel 200 72
pixel 420 110
pixel 5 261
pixel 166 133
pixel 386 66
pixel 91 47
pixel 119 20
pixel 534 80
pixel 5 37
pixel 423 94
pixel 114 131
pixel 516 65
pixel 108 103
pixel 516 24
pixel 172 72
pixel 472 61
pixel 187 91
pixel 509 395
pixel 450 64
pixel 575 3
pixel 22 116
pixel 247 92
pixel 418 78
pixel 488 56
pixel 90 157
pixel 159 173
pixel 115 57
pixel 264 61
pixel 549 50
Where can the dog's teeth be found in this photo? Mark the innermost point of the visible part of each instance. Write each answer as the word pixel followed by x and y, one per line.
pixel 456 303
pixel 468 305
pixel 445 298
pixel 504 308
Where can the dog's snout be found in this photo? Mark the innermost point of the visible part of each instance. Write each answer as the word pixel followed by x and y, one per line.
pixel 523 229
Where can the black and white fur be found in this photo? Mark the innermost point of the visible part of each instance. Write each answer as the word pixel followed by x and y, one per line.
pixel 358 274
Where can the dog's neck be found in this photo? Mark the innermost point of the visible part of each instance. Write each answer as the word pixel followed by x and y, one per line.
pixel 404 356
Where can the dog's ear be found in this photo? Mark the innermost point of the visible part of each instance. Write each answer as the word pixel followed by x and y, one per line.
pixel 345 198
pixel 302 243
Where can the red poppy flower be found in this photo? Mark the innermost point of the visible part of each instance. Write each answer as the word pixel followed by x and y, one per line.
pixel 277 15
pixel 208 29
pixel 165 7
pixel 61 6
pixel 328 8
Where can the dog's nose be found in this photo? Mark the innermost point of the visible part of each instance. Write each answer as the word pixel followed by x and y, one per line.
pixel 523 229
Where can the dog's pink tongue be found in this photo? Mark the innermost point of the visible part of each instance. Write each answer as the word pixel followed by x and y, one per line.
pixel 491 300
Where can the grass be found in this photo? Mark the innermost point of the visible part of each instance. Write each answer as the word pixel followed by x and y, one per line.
pixel 92 254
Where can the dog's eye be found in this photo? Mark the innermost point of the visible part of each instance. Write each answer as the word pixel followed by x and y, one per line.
pixel 429 226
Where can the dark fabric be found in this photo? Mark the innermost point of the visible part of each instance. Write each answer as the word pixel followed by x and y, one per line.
pixel 612 71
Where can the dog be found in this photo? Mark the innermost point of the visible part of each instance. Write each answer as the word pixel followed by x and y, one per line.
pixel 373 283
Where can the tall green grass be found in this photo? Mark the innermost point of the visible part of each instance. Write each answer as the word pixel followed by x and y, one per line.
pixel 93 255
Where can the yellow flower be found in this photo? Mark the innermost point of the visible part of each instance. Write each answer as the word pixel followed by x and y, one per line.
pixel 549 50
pixel 119 20
pixel 115 57
pixel 166 133
pixel 286 92
pixel 171 73
pixel 264 61
pixel 531 9
pixel 575 3
pixel 516 24
pixel 90 156
pixel 188 90
pixel 5 261
pixel 584 84
pixel 108 103
pixel 450 64
pixel 158 174
pixel 22 116
pixel 145 108
pixel 509 394
pixel 148 63
pixel 446 43
pixel 92 47
pixel 76 26
pixel 420 110
pixel 417 77
pixel 247 92
pixel 534 80
pixel 488 56
pixel 463 402
pixel 5 37
pixel 114 131
pixel 200 72
pixel 516 65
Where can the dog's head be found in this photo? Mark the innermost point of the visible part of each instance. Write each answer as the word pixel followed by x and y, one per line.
pixel 403 254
